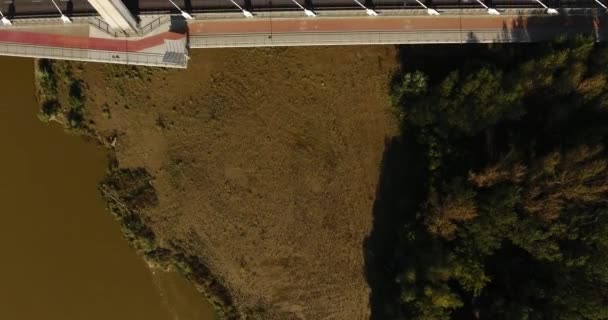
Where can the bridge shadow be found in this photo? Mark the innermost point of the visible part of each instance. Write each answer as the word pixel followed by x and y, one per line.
pixel 471 38
pixel 69 8
pixel 133 6
pixel 178 24
pixel 308 4
pixel 188 5
pixel 11 11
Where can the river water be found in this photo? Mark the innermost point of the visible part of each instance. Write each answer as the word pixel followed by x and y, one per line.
pixel 62 257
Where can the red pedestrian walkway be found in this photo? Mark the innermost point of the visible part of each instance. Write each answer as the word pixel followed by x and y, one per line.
pixel 80 42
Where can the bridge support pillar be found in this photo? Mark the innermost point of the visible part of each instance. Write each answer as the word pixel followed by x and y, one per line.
pixel 116 14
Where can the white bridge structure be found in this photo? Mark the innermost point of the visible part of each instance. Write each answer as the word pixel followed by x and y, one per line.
pixel 161 32
pixel 115 14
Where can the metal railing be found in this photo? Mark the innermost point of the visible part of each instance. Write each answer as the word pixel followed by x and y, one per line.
pixel 104 27
pixel 374 37
pixel 154 24
pixel 131 58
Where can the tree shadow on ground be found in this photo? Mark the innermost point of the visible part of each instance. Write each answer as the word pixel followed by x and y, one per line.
pixel 403 181
pixel 402 186
pixel 400 190
pixel 432 58
pixel 437 61
pixel 546 28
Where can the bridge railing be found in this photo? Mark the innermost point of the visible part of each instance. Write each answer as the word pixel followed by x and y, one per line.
pixel 104 27
pixel 131 58
pixel 378 37
pixel 152 25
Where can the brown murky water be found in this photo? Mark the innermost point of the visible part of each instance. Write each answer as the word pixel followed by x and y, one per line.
pixel 62 257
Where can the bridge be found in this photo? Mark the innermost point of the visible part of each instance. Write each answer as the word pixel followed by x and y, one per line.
pixel 161 32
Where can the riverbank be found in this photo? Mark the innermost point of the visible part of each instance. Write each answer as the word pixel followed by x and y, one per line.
pixel 253 173
pixel 62 99
pixel 66 256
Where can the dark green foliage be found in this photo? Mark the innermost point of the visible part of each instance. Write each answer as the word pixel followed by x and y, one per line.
pixel 46 80
pixel 514 224
pixel 46 76
pixel 49 108
pixel 193 267
pixel 133 187
pixel 76 104
pixel 52 79
pixel 129 192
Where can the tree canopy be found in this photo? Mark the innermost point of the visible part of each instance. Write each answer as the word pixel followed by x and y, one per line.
pixel 514 222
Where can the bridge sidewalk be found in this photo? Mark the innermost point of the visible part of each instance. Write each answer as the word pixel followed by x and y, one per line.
pixel 82 42
pixel 73 42
pixel 390 30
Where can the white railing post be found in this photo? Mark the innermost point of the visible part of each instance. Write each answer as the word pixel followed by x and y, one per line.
pixel 549 10
pixel 63 17
pixel 601 4
pixel 184 14
pixel 246 13
pixel 308 13
pixel 369 12
pixel 429 11
pixel 488 9
pixel 4 20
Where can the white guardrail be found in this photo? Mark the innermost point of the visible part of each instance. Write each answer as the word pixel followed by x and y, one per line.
pixel 369 38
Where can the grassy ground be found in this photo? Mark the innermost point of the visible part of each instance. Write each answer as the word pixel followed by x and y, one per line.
pixel 264 164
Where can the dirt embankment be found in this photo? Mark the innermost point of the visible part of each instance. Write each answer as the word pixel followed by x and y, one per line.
pixel 264 164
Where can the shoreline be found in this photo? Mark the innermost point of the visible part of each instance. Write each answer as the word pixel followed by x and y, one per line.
pixel 266 199
pixel 126 211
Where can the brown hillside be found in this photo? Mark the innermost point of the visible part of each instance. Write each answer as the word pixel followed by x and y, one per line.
pixel 265 162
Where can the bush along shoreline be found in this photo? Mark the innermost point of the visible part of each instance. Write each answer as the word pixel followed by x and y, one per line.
pixel 126 191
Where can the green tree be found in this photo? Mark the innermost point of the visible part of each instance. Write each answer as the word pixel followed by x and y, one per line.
pixel 514 224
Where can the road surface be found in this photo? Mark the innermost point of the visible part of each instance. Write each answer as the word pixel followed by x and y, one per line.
pixel 45 8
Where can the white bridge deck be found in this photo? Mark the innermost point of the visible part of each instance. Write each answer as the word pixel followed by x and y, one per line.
pixel 164 40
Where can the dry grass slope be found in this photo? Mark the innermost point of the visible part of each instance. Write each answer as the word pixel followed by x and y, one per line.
pixel 265 163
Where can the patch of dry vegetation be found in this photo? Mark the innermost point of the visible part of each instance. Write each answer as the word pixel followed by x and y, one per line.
pixel 264 164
